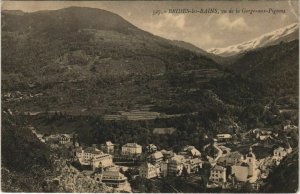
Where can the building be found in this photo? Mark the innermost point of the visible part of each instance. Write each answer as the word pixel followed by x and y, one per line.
pixel 151 148
pixel 109 147
pixel 167 154
pixel 290 128
pixel 131 149
pixel 218 174
pixel 230 159
pixel 176 165
pixel 65 139
pixel 279 153
pixel 240 172
pixel 156 158
pixel 224 137
pixel 111 178
pixel 164 168
pixel 194 164
pixel 94 157
pixel 147 171
pixel 246 170
pixel 59 139
pixel 190 151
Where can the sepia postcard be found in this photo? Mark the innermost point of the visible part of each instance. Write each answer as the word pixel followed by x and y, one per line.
pixel 150 96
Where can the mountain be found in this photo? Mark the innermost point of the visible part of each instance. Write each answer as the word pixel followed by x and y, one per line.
pixel 76 42
pixel 277 181
pixel 90 58
pixel 285 34
pixel 193 48
pixel 264 73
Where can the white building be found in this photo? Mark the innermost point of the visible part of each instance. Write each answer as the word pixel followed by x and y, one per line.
pixel 111 178
pixel 218 174
pixel 130 149
pixel 224 137
pixel 94 157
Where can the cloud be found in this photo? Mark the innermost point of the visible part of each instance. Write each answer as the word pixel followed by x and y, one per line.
pixel 238 24
pixel 205 40
pixel 168 26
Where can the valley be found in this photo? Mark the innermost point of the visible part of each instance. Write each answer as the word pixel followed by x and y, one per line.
pixel 63 73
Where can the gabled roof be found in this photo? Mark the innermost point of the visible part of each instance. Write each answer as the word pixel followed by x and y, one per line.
pixel 66 135
pixel 132 145
pixel 218 168
pixel 108 143
pixel 157 155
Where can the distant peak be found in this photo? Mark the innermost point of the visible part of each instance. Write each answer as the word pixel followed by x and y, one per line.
pixel 284 34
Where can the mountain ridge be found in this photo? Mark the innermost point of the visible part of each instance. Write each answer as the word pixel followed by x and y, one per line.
pixel 285 34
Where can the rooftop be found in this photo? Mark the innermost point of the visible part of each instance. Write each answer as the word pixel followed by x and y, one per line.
pixel 108 143
pixel 157 155
pixel 219 168
pixel 92 150
pixel 132 145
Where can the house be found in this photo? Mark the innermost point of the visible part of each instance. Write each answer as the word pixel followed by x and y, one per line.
pixel 246 170
pixel 194 164
pixel 290 128
pixel 279 153
pixel 167 154
pixel 111 178
pixel 230 159
pixel 93 157
pixel 218 174
pixel 108 147
pixel 59 139
pixel 65 139
pixel 131 149
pixel 151 148
pixel 148 171
pixel 224 137
pixel 156 158
pixel 176 165
pixel 190 151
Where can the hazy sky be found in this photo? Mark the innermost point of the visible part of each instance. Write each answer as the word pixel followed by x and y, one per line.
pixel 204 30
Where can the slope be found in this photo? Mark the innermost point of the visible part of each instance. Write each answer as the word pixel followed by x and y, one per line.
pixel 285 34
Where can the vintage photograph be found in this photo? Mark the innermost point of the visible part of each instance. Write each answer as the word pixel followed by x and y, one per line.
pixel 150 96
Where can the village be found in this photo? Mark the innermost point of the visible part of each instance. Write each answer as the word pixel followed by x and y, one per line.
pixel 223 164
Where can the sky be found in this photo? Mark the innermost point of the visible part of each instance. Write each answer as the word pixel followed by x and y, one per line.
pixel 205 30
